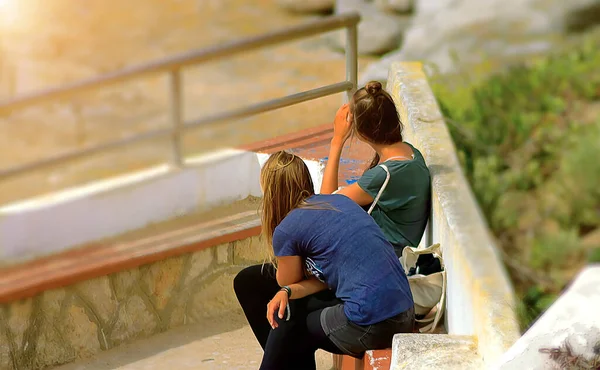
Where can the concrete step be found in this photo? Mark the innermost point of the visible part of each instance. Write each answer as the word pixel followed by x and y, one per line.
pixel 435 351
pixel 219 344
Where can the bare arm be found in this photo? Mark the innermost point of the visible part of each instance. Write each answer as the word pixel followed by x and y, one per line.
pixel 306 287
pixel 299 290
pixel 341 132
pixel 289 270
pixel 358 195
pixel 330 176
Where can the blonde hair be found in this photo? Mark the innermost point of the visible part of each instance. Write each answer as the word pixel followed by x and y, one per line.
pixel 286 184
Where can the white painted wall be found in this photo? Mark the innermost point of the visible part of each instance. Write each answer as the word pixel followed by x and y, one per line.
pixel 315 168
pixel 58 221
pixel 574 317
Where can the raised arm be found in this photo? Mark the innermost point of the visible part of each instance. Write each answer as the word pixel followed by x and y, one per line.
pixel 330 176
pixel 357 194
pixel 341 132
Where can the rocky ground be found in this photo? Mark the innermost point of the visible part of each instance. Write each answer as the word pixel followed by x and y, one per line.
pixel 455 34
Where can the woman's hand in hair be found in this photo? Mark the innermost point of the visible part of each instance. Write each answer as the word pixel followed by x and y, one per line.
pixel 277 306
pixel 342 124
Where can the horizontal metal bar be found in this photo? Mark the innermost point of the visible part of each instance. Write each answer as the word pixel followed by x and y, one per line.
pixel 17 170
pixel 186 59
pixel 239 113
pixel 272 104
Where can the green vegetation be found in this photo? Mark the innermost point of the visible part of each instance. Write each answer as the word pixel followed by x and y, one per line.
pixel 529 141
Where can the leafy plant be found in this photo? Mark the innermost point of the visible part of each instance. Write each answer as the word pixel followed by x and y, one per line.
pixel 528 139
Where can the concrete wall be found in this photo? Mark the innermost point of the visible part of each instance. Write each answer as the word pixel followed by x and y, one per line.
pixel 62 325
pixel 480 299
pixel 72 217
pixel 573 318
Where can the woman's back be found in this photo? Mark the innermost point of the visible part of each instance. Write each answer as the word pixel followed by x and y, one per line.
pixel 345 248
pixel 403 209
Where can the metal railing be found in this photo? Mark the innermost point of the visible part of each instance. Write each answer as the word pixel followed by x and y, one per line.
pixel 173 66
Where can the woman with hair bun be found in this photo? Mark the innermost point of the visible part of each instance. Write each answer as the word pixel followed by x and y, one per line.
pixel 403 208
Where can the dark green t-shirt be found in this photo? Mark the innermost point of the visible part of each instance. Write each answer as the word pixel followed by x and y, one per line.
pixel 403 209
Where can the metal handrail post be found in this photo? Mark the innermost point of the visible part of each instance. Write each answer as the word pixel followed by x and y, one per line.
pixel 352 59
pixel 176 112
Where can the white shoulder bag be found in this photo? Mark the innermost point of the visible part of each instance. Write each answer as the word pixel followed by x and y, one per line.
pixel 428 291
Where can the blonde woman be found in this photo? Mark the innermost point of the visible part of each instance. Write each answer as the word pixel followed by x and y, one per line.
pixel 345 252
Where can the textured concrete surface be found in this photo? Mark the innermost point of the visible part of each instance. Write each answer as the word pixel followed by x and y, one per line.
pixel 80 320
pixel 434 351
pixel 108 208
pixel 221 343
pixel 573 318
pixel 480 299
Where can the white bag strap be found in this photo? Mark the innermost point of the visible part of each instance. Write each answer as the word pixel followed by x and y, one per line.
pixel 441 306
pixel 385 183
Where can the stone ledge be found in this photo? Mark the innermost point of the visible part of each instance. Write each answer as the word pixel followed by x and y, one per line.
pixel 82 318
pixel 434 351
pixel 572 319
pixel 88 262
pixel 480 298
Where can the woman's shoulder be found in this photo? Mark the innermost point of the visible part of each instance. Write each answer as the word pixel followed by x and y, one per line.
pixel 417 153
pixel 315 203
pixel 318 208
pixel 372 179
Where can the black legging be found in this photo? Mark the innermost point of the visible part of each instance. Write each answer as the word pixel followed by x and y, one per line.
pixel 293 344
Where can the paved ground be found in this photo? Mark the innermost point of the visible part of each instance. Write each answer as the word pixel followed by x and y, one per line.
pixel 220 344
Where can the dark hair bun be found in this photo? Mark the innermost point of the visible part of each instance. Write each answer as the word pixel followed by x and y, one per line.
pixel 373 87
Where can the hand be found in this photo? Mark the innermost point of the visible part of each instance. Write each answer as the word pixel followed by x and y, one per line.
pixel 277 304
pixel 342 124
